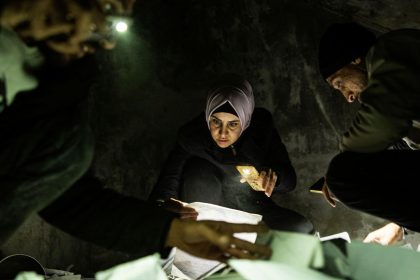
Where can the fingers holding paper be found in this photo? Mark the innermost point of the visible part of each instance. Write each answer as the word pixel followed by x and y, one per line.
pixel 215 240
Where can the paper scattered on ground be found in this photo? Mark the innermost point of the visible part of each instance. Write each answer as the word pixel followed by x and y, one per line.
pixel 373 261
pixel 296 249
pixel 343 235
pixel 267 270
pixel 198 268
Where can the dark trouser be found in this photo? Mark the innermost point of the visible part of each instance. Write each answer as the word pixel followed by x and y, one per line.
pixel 38 162
pixel 204 182
pixel 384 184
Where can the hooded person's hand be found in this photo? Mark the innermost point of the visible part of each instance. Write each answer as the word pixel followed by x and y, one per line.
pixel 266 182
pixel 214 240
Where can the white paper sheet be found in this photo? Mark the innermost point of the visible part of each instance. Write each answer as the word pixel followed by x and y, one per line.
pixel 198 268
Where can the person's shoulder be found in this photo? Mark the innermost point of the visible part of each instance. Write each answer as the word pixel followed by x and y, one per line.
pixel 261 130
pixel 13 49
pixel 393 49
pixel 261 115
pixel 399 35
pixel 261 125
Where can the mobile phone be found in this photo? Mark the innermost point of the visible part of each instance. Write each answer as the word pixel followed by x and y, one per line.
pixel 250 173
pixel 115 26
pixel 317 187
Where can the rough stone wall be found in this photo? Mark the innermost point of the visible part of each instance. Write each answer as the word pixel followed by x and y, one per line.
pixel 156 80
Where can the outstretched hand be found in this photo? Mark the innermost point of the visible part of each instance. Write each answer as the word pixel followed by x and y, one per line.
pixel 214 240
pixel 64 25
pixel 386 235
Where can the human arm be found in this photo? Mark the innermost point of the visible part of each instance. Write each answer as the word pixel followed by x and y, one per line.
pixel 166 190
pixel 391 100
pixel 114 221
pixel 265 146
pixel 169 181
pixel 215 240
pixel 109 219
pixel 278 161
pixel 372 131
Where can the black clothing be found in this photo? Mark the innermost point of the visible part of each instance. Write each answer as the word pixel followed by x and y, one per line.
pixel 202 181
pixel 198 170
pixel 45 146
pixel 259 145
pixel 341 44
pixel 109 219
pixel 382 184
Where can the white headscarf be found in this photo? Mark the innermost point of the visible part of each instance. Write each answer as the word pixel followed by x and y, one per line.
pixel 238 93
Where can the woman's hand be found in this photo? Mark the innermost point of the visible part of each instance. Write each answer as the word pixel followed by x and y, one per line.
pixel 214 240
pixel 178 207
pixel 268 181
pixel 265 182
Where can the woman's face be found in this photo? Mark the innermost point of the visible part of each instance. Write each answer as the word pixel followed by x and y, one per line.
pixel 225 129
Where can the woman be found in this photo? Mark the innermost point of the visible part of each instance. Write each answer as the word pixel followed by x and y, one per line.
pixel 230 133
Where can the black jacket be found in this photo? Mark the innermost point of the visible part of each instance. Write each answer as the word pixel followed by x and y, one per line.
pixel 259 145
pixel 86 209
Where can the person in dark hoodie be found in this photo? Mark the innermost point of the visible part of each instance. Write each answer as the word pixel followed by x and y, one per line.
pixel 230 133
pixel 376 171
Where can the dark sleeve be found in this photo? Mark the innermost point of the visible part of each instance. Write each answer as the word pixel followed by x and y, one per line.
pixel 60 90
pixel 109 219
pixel 169 182
pixel 278 160
pixel 391 100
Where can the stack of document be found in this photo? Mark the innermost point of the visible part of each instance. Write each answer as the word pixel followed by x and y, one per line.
pixel 186 266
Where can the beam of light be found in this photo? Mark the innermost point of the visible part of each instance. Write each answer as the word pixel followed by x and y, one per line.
pixel 121 27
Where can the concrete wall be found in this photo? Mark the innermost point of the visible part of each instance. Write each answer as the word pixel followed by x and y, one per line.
pixel 156 80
